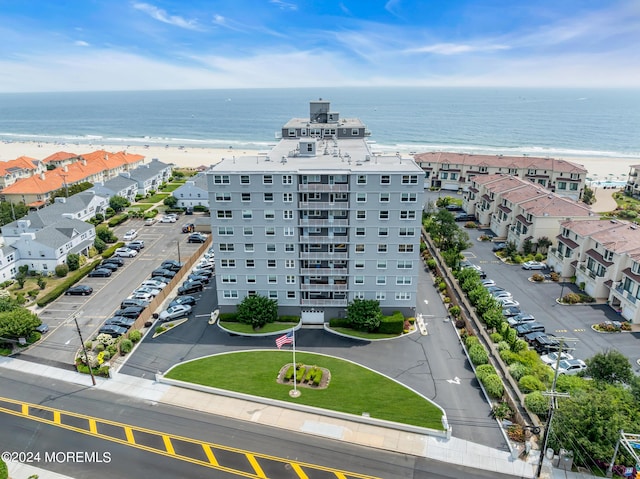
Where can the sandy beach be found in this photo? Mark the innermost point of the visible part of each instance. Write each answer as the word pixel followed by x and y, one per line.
pixel 600 169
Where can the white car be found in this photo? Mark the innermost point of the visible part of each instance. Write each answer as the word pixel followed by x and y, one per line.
pixel 552 358
pixel 205 265
pixel 146 289
pixel 507 302
pixel 152 283
pixel 534 265
pixel 502 294
pixel 175 311
pixel 130 235
pixel 125 252
pixel 168 219
pixel 143 296
pixel 570 366
pixel 487 282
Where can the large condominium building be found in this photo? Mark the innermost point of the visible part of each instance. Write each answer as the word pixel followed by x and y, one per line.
pixel 318 221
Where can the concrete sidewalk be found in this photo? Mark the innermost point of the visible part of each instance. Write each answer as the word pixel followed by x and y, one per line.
pixel 453 450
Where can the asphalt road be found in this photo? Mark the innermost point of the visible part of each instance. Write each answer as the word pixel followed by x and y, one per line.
pixel 126 461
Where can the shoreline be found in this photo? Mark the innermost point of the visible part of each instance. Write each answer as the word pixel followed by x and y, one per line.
pixel 191 156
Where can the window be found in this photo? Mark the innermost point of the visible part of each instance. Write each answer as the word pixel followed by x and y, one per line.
pixel 409 179
pixel 384 197
pixel 267 179
pixel 382 248
pixel 573 186
pixel 403 280
pixel 407 232
pixel 408 197
pixel 227 263
pixel 272 279
pixel 361 215
pixel 383 215
pixel 608 255
pixel 358 280
pixel 270 231
pixel 290 279
pixel 273 295
pixel 289 263
pixel 249 248
pixel 383 232
pixel 287 214
pixel 287 197
pixel 354 132
pixel 248 230
pixel 230 294
pixel 382 264
pixel 360 231
pixel 223 196
pixel 359 264
pixel 407 215
pixel 362 179
pixel 405 248
pixel 287 179
pixel 246 197
pixel 221 179
pixel 269 214
pixel 381 295
pixel 228 247
pixel 251 279
pixel 361 197
pixel 272 263
pixel 289 231
pixel 403 296
pixel 250 263
pixel 385 179
pixel 229 279
pixel 268 197
pixel 405 264
pixel 271 248
pixel 244 180
pixel 224 214
pixel 360 248
pixel 225 230
pixel 247 214
pixel 292 132
pixel 251 294
pixel 562 185
pixel 289 248
pixel 444 175
pixel 358 295
pixel 291 295
pixel 381 280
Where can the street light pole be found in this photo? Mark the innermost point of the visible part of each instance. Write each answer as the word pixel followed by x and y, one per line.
pixel 178 243
pixel 84 349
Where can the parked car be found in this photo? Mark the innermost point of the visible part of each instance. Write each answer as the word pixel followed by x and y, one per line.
pixel 42 328
pixel 79 290
pixel 143 296
pixel 150 221
pixel 534 265
pixel 190 287
pixel 120 321
pixel 129 302
pixel 136 245
pixel 146 289
pixel 112 330
pixel 168 219
pixel 501 294
pixel 197 238
pixel 171 265
pixel 188 300
pixel 529 327
pixel 453 207
pixel 491 289
pixel 167 273
pixel 100 273
pixel 188 228
pixel 552 358
pixel 114 260
pixel 109 266
pixel 570 366
pixel 464 217
pixel 507 303
pixel 197 277
pixel 204 264
pixel 511 311
pixel 161 279
pixel 520 319
pixel 125 252
pixel 202 272
pixel 152 283
pixel 499 247
pixel 188 210
pixel 130 312
pixel 175 311
pixel 487 282
pixel 129 235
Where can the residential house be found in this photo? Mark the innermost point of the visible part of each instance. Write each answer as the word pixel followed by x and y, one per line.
pixel 455 171
pixel 193 193
pixel 632 187
pixel 150 176
pixel 118 186
pixel 59 159
pixel 14 170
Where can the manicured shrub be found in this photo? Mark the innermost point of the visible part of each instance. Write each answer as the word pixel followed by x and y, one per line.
pixel 496 337
pixel 126 345
pixel 289 374
pixel 537 403
pixel 484 370
pixel 537 277
pixel 442 285
pixel 571 298
pixel 88 345
pixel 503 345
pixel 62 270
pixel 288 319
pixel 517 370
pixel 478 355
pixel 112 349
pixel 99 347
pixel 230 317
pixel 393 324
pixel 455 311
pixel 519 345
pixel 339 323
pixel 470 341
pixel 135 336
pixel 300 374
pixel 431 264
pixel 530 383
pixel 554 276
pixel 509 356
pixel 493 384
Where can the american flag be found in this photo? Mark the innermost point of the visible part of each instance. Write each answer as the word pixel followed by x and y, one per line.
pixel 284 339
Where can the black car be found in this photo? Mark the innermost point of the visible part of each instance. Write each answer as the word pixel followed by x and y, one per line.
pixel 188 228
pixel 499 247
pixel 136 245
pixel 529 327
pixel 163 272
pixel 109 266
pixel 464 217
pixel 100 273
pixel 130 312
pixel 543 343
pixel 199 278
pixel 80 290
pixel 190 287
pixel 171 265
pixel 120 321
pixel 453 207
pixel 112 330
pixel 129 302
pixel 114 260
pixel 188 300
pixel 196 238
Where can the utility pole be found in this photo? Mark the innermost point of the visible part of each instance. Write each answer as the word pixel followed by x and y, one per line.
pixel 66 186
pixel 631 442
pixel 84 349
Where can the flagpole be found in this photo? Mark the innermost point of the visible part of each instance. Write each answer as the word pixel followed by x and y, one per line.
pixel 295 393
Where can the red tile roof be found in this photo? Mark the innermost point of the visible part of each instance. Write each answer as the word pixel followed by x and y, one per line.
pixel 22 163
pixel 59 156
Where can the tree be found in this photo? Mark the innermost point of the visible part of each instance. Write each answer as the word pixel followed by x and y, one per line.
pixel 7 303
pixel 99 245
pixel 118 203
pixel 257 310
pixel 170 201
pixel 543 244
pixel 10 212
pixel 18 323
pixel 73 261
pixel 105 234
pixel 588 196
pixel 611 367
pixel 364 314
pixel 70 190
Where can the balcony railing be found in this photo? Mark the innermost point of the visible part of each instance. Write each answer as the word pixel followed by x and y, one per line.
pixel 323 287
pixel 323 187
pixel 323 222
pixel 323 255
pixel 323 302
pixel 324 271
pixel 631 297
pixel 334 239
pixel 323 205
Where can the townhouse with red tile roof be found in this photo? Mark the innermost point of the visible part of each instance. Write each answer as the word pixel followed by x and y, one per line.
pixel 22 167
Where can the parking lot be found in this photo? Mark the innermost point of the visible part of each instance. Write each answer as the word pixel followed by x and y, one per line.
pixel 58 347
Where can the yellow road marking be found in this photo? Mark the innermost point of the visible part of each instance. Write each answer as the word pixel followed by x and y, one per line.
pixel 339 475
pixel 129 433
pixel 25 409
pixel 56 417
pixel 168 446
pixel 209 454
pixel 255 465
pixel 92 426
pixel 299 471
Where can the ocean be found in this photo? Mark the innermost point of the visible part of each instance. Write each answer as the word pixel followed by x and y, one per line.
pixel 561 123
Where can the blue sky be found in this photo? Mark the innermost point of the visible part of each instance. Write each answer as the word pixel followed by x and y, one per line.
pixel 72 45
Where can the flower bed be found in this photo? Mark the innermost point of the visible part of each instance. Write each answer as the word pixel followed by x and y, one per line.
pixel 313 377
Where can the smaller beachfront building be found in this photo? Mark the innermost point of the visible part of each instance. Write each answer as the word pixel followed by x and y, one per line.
pixel 150 176
pixel 632 188
pixel 22 167
pixel 193 193
pixel 604 257
pixel 455 171
pixel 122 186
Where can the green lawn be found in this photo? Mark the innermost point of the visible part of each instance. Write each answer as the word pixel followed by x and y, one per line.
pixel 363 334
pixel 154 198
pixel 353 389
pixel 172 187
pixel 248 329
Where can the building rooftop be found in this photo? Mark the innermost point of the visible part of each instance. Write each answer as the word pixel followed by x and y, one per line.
pixel 552 205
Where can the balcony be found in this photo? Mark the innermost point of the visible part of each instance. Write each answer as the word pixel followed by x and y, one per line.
pixel 324 271
pixel 322 222
pixel 315 187
pixel 631 297
pixel 323 205
pixel 323 255
pixel 323 287
pixel 323 302
pixel 318 239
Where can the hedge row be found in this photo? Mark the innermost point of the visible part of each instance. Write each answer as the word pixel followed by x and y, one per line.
pixel 108 253
pixel 288 319
pixel 393 324
pixel 339 323
pixel 230 317
pixel 67 283
pixel 116 220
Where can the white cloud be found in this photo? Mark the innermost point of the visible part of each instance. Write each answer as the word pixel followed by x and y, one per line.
pixel 284 5
pixel 162 16
pixel 80 43
pixel 456 48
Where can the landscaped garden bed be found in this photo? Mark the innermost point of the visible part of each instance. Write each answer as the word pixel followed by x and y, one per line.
pixel 313 377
